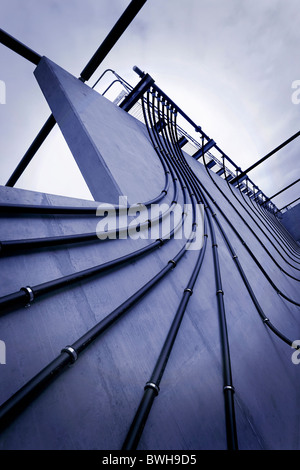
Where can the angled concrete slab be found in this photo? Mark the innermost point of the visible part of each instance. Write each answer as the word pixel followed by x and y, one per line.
pixel 112 149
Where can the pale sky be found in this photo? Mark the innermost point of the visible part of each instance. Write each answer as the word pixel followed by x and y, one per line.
pixel 229 64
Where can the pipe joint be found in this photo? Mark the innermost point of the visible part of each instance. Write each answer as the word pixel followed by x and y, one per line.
pixel 153 386
pixel 173 262
pixel 187 289
pixel 71 352
pixel 30 295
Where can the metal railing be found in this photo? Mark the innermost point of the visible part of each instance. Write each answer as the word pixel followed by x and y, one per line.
pixel 222 165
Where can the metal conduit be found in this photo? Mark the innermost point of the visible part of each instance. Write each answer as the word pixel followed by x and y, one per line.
pixel 246 282
pixel 266 214
pixel 11 246
pixel 21 298
pixel 28 294
pixel 152 387
pixel 232 442
pixel 168 147
pixel 255 221
pixel 231 431
pixel 240 269
pixel 17 402
pixel 155 139
pixel 179 110
pixel 234 256
pixel 260 212
pixel 273 223
pixel 70 353
pixel 245 279
pixel 264 318
pixel 249 250
pixel 13 406
pixel 250 229
pixel 269 214
pixel 144 408
pixel 286 234
pixel 69 210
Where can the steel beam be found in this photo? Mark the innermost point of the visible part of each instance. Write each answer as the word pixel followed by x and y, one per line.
pixel 211 163
pixel 138 91
pixel 244 173
pixel 182 141
pixel 121 25
pixel 18 47
pixel 108 43
pixel 282 190
pixel 289 204
pixel 36 144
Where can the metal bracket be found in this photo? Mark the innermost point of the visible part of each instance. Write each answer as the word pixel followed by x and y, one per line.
pixel 72 353
pixel 30 293
pixel 153 386
pixel 173 262
pixel 188 290
pixel 229 387
pixel 133 97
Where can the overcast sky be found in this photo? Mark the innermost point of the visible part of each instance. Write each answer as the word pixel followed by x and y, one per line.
pixel 229 64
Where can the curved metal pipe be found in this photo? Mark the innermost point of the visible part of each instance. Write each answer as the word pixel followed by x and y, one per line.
pixel 14 405
pixel 250 229
pixel 255 221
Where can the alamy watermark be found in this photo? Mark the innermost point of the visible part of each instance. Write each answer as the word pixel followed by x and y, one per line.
pixel 296 354
pixel 159 221
pixel 2 92
pixel 296 93
pixel 2 352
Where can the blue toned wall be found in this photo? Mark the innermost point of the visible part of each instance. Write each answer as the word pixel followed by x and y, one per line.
pixel 91 404
pixel 291 220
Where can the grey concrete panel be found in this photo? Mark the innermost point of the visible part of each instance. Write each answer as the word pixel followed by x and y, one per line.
pixel 91 404
pixel 111 148
pixel 291 221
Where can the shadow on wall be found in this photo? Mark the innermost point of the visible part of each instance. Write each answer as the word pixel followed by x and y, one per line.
pixel 291 220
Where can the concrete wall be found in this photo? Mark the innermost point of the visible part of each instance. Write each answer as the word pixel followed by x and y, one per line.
pixel 106 142
pixel 92 403
pixel 291 220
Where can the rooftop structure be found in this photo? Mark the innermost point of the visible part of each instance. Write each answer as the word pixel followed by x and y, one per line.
pixel 163 315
